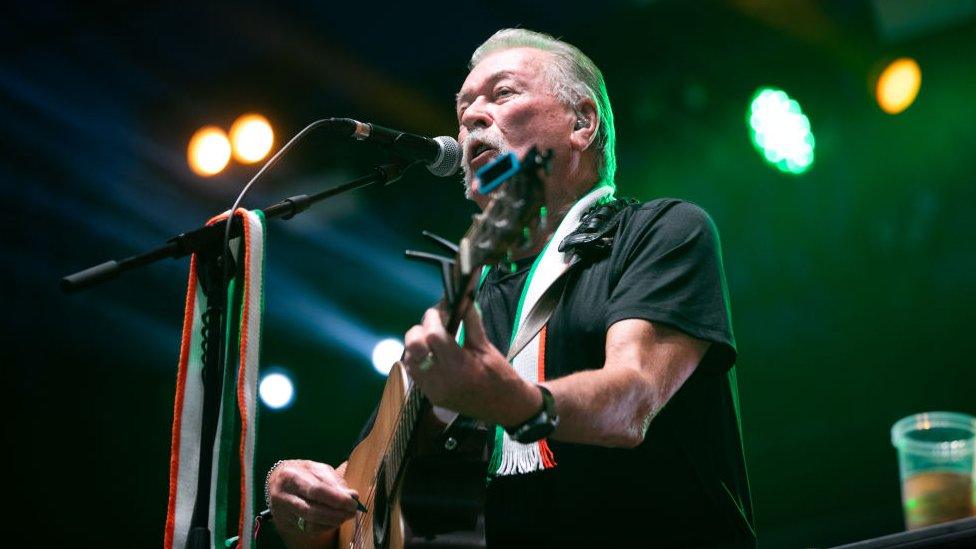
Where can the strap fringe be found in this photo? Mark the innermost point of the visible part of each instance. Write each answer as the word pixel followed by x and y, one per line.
pixel 519 458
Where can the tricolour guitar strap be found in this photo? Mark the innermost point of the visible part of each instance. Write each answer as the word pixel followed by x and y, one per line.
pixel 239 387
pixel 542 291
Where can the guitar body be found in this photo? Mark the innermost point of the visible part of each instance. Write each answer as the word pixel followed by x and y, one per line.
pixel 382 524
pixel 440 485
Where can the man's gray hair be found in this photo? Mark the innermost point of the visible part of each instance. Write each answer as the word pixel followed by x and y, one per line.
pixel 573 77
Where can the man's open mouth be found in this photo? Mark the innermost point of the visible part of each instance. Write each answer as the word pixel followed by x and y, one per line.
pixel 481 153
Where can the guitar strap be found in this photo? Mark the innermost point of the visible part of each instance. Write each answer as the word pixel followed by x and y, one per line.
pixel 542 291
pixel 593 236
pixel 539 316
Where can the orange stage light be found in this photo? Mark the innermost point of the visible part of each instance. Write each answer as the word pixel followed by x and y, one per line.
pixel 898 85
pixel 209 151
pixel 251 138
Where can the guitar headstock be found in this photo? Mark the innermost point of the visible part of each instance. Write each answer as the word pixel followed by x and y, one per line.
pixel 513 216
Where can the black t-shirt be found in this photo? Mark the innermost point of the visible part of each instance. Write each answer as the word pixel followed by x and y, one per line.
pixel 686 484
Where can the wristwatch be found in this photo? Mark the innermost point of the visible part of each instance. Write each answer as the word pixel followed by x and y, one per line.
pixel 538 426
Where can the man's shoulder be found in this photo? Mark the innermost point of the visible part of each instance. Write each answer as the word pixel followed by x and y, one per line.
pixel 669 218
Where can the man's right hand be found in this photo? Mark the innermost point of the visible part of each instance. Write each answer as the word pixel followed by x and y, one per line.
pixel 315 492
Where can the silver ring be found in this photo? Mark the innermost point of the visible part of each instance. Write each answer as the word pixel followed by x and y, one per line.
pixel 301 523
pixel 426 363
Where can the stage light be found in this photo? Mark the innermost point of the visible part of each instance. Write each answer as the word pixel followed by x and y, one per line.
pixel 251 136
pixel 898 85
pixel 386 353
pixel 276 390
pixel 209 151
pixel 780 131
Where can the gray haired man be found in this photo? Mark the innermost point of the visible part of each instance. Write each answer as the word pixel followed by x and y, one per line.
pixel 636 361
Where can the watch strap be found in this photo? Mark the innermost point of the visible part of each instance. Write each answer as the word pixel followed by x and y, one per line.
pixel 540 425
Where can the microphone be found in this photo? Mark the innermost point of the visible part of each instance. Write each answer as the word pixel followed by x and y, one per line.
pixel 442 155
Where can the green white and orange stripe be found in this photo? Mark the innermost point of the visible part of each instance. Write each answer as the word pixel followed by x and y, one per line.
pixel 239 387
pixel 510 457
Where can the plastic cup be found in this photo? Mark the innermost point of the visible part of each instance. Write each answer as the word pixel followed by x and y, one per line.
pixel 935 456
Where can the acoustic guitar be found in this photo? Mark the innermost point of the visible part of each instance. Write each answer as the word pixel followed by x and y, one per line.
pixel 409 433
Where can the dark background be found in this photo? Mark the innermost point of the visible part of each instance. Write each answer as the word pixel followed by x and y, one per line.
pixel 852 285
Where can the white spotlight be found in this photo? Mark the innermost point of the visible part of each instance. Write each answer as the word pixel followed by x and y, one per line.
pixel 276 391
pixel 386 353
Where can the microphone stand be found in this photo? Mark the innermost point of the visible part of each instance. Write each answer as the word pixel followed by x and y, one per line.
pixel 210 236
pixel 206 242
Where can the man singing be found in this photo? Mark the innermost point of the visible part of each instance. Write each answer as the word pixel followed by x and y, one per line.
pixel 618 423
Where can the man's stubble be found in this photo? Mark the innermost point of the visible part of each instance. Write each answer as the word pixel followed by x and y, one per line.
pixel 490 136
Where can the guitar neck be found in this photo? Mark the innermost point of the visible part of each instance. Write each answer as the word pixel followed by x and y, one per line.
pixel 402 435
pixel 501 222
pixel 413 404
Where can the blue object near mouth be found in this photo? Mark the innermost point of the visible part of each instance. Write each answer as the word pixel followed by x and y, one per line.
pixel 496 172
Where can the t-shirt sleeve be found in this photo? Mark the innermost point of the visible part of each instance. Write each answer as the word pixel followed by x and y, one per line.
pixel 668 269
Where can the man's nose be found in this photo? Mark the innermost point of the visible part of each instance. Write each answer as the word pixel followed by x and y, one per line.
pixel 476 115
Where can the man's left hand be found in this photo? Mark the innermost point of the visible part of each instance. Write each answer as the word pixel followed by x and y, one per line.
pixel 474 380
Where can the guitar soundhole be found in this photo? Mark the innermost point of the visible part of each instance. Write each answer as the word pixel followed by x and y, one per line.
pixel 381 513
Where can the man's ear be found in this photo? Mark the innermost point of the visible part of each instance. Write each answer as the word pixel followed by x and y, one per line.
pixel 586 125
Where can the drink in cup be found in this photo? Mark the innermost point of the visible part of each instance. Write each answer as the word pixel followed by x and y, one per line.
pixel 936 458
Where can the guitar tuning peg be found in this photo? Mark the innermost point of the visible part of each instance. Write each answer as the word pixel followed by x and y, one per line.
pixel 502 224
pixel 446 264
pixel 442 242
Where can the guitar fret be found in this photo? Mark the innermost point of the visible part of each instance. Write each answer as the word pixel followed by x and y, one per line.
pixel 401 436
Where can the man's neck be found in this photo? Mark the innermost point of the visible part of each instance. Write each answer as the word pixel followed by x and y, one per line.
pixel 538 243
pixel 555 213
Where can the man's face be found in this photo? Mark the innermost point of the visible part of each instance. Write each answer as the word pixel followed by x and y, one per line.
pixel 506 103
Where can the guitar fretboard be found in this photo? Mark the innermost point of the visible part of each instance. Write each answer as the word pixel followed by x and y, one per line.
pixel 406 425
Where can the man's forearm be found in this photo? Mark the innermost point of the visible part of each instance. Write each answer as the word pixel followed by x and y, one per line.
pixel 613 406
pixel 604 407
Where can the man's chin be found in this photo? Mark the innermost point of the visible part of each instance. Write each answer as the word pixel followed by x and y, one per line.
pixel 470 189
pixel 472 194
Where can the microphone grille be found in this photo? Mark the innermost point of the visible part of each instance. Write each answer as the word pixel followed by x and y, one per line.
pixel 449 159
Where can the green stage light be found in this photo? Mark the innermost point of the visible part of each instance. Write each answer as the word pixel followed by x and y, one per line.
pixel 780 131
